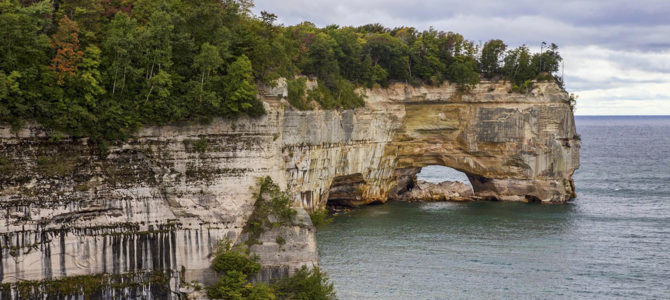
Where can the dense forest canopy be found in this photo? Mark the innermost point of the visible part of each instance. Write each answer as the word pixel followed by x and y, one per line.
pixel 104 68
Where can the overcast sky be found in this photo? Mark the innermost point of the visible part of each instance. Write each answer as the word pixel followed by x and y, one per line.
pixel 616 52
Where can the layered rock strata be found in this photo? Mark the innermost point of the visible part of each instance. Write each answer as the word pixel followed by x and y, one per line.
pixel 163 201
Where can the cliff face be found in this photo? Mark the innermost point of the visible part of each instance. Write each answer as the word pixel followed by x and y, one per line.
pixel 163 201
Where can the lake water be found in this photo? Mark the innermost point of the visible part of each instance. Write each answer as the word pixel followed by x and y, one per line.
pixel 612 242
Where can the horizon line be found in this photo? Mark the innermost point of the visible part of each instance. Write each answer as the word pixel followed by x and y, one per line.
pixel 622 115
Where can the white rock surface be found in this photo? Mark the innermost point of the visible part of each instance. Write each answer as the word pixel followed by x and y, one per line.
pixel 165 199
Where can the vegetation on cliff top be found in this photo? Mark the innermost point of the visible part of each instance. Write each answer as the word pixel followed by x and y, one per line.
pixel 104 68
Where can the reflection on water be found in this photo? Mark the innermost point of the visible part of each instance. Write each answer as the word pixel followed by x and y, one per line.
pixel 612 242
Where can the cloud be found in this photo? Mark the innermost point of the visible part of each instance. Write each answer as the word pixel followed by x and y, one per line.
pixel 617 52
pixel 618 81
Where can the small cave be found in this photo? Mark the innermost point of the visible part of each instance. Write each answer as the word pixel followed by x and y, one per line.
pixel 439 183
pixel 346 192
pixel 533 199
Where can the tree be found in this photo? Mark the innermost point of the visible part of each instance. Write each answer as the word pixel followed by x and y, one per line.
pixel 492 55
pixel 321 61
pixel 519 69
pixel 23 44
pixel 157 44
pixel 207 61
pixel 429 61
pixel 390 53
pixel 296 93
pixel 240 89
pixel 110 66
pixel 305 284
pixel 517 65
pixel 121 40
pixel 86 13
pixel 547 61
pixel 463 72
pixel 237 268
pixel 349 53
pixel 66 43
pixel 90 75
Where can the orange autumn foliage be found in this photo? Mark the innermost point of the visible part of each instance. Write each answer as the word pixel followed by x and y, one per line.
pixel 66 43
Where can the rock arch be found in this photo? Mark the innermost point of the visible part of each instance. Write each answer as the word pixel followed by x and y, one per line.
pixel 512 147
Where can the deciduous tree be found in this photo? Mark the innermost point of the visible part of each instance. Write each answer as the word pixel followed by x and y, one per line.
pixel 66 44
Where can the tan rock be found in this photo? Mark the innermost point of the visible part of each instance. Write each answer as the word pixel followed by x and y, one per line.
pixel 162 201
pixel 443 191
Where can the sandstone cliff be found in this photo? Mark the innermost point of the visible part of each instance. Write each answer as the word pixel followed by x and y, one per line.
pixel 163 201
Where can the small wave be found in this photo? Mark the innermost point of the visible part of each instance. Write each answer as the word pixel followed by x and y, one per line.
pixel 440 205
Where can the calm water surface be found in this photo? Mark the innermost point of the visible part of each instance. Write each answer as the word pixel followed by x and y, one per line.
pixel 612 242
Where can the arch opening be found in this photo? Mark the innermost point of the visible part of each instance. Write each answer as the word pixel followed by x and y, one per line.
pixel 438 174
pixel 437 183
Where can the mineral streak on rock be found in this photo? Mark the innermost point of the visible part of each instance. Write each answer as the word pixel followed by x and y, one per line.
pixel 163 200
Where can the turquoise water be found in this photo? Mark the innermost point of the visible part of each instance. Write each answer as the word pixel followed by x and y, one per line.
pixel 612 242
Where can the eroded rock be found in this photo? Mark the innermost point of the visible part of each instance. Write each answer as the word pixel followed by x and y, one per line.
pixel 164 200
pixel 443 191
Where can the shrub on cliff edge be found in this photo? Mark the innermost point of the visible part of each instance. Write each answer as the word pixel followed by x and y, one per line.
pixel 305 284
pixel 320 218
pixel 272 209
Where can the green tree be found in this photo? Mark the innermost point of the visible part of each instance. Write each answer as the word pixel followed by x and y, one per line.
pixel 118 48
pixel 429 57
pixel 390 53
pixel 207 61
pixel 492 55
pixel 156 41
pixel 10 90
pixel 305 284
pixel 116 65
pixel 90 77
pixel 463 72
pixel 240 89
pixel 518 68
pixel 296 93
pixel 237 269
pixel 23 45
pixel 548 61
pixel 227 259
pixel 321 61
pixel 349 54
pixel 86 13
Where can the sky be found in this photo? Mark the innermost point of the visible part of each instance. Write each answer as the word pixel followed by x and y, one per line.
pixel 616 53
